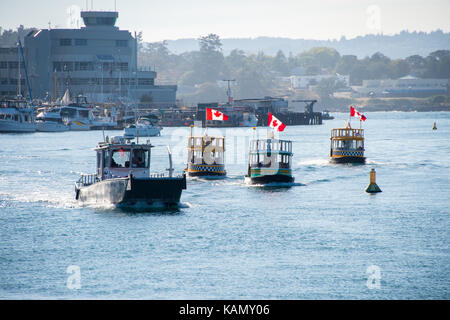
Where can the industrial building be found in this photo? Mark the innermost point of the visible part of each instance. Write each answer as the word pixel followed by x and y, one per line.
pixel 98 60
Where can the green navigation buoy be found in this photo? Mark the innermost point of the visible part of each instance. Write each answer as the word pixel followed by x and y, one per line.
pixel 373 187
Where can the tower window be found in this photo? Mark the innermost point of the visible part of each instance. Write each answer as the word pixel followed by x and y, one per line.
pixel 81 42
pixel 122 43
pixel 65 42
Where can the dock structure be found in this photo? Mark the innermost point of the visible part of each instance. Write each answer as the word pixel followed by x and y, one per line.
pixel 261 108
pixel 294 118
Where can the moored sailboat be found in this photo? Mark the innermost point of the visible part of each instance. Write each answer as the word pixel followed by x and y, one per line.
pixel 16 116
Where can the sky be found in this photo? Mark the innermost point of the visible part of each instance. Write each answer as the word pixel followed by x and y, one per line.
pixel 178 19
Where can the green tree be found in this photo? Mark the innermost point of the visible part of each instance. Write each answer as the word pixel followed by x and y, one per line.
pixel 210 62
pixel 280 64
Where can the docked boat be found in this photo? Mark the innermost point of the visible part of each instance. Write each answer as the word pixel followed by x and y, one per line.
pixel 326 115
pixel 347 145
pixel 144 127
pixel 49 119
pixel 105 118
pixel 123 178
pixel 270 161
pixel 79 116
pixel 16 116
pixel 206 156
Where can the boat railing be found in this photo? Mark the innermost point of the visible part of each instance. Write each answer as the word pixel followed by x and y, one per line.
pixel 340 133
pixel 160 175
pixel 88 179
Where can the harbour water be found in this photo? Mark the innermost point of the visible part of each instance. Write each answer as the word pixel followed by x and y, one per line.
pixel 315 240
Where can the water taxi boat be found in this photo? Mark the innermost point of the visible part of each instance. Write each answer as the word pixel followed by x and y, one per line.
pixel 270 161
pixel 16 116
pixel 123 178
pixel 206 156
pixel 347 145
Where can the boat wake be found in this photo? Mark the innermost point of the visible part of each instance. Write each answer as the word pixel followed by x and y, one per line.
pixel 314 162
pixel 47 199
pixel 274 184
pixel 139 207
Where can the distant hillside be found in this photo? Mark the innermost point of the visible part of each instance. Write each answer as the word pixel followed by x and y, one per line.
pixel 398 46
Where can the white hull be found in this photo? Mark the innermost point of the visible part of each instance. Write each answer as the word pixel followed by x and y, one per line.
pixel 51 127
pixel 14 126
pixel 143 132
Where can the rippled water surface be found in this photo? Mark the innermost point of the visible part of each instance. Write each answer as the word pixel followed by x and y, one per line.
pixel 228 240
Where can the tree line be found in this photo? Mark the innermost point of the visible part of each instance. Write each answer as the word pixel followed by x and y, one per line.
pixel 255 74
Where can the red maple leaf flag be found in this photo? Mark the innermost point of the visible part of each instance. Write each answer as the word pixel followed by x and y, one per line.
pixel 356 113
pixel 212 114
pixel 276 124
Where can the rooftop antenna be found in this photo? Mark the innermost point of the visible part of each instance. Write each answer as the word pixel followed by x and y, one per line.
pixel 115 5
pixel 230 98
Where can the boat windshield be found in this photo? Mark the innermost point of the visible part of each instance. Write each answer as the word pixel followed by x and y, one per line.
pixel 140 158
pixel 120 158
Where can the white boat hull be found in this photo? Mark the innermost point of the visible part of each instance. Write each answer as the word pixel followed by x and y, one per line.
pixel 14 126
pixel 51 127
pixel 143 132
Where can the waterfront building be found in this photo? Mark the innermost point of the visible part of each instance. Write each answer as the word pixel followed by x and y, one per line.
pixel 9 73
pixel 98 60
pixel 305 82
pixel 408 86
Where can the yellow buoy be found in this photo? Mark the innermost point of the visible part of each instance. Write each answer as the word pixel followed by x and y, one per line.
pixel 373 187
pixel 434 126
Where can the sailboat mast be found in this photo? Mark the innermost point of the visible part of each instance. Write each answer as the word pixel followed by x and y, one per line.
pixel 19 78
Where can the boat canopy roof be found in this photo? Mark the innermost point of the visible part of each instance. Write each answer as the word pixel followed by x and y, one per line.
pixel 347 134
pixel 271 145
pixel 122 143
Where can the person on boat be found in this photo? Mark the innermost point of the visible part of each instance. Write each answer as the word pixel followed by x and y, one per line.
pixel 138 161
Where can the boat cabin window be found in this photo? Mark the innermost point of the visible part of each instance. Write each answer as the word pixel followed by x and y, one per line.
pixel 84 113
pixel 284 161
pixel 120 158
pixel 348 144
pixel 140 158
pixel 106 154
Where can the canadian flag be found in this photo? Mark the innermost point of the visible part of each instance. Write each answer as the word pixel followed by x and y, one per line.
pixel 275 123
pixel 356 113
pixel 212 114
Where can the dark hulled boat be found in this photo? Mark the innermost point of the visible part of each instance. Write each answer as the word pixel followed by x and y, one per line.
pixel 123 178
pixel 206 156
pixel 347 145
pixel 270 161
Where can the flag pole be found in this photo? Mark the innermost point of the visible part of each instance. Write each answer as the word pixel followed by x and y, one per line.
pixel 206 121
